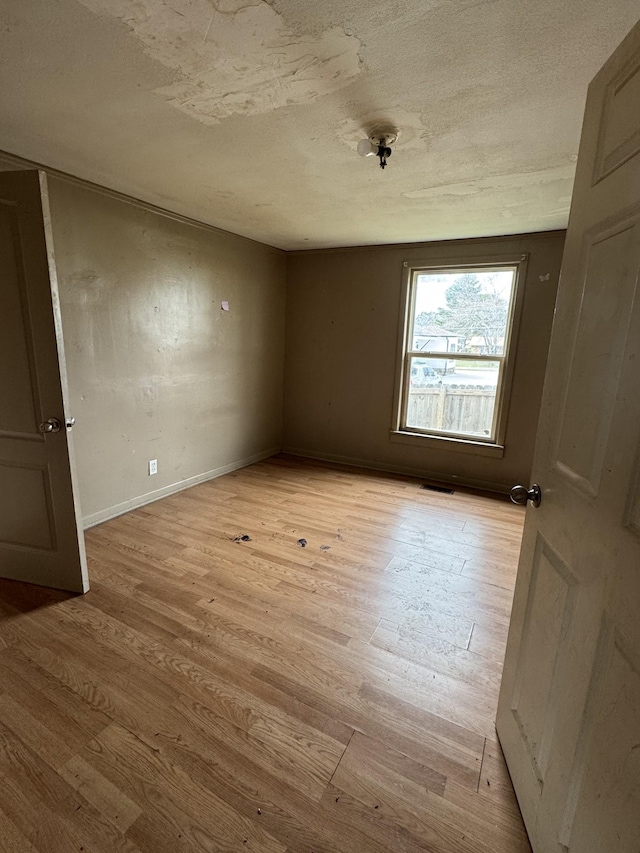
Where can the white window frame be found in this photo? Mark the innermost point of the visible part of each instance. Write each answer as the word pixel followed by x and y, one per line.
pixel 494 444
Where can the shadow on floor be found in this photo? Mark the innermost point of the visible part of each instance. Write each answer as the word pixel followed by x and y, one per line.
pixel 17 597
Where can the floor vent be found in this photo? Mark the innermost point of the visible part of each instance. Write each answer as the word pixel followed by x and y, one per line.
pixel 441 489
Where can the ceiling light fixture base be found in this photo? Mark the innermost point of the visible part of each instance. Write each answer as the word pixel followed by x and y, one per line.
pixel 383 134
pixel 378 143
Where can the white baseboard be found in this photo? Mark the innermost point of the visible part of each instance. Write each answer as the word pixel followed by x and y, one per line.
pixel 150 497
pixel 422 473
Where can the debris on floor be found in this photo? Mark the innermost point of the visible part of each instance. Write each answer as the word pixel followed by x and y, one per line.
pixel 242 537
pixel 325 547
pixel 302 543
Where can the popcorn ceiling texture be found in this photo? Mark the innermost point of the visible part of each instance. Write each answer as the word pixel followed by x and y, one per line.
pixel 246 115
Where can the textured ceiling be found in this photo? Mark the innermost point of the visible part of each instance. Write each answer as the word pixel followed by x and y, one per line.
pixel 246 115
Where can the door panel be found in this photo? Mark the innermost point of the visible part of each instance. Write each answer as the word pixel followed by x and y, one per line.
pixel 18 411
pixel 547 623
pixel 568 716
pixel 619 137
pixel 606 771
pixel 41 539
pixel 26 519
pixel 594 369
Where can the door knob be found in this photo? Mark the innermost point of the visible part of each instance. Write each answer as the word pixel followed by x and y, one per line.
pixel 52 425
pixel 521 494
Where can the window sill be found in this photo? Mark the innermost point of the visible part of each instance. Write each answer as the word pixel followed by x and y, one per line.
pixel 459 445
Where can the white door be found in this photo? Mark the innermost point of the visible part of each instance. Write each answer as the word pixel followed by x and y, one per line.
pixel 41 539
pixel 569 712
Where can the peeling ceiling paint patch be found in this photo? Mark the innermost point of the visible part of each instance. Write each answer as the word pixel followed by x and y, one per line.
pixel 496 182
pixel 234 57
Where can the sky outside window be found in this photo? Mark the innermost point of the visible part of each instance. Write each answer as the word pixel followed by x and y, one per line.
pixel 432 287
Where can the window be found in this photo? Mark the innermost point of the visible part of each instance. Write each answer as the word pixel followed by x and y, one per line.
pixel 456 359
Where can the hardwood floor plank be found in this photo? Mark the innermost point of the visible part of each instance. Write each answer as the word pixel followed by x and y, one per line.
pixel 362 750
pixel 494 797
pixel 11 839
pixel 440 749
pixel 400 803
pixel 351 813
pixel 110 801
pixel 489 640
pixel 64 820
pixel 327 685
pixel 40 738
pixel 253 791
pixel 188 814
pixel 490 571
pixel 392 784
pixel 305 758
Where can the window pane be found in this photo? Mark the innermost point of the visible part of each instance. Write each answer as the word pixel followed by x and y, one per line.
pixel 452 396
pixel 462 312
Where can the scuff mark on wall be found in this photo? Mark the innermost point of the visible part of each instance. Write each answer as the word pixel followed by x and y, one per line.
pixel 232 57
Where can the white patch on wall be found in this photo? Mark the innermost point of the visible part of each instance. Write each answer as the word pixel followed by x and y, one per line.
pixel 234 57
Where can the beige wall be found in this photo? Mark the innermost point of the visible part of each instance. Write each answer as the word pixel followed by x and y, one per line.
pixel 156 369
pixel 342 331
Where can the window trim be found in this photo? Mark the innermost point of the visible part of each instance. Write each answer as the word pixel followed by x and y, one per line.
pixel 449 441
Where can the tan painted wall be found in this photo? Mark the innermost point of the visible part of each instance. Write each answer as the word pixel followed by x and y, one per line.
pixel 156 369
pixel 342 330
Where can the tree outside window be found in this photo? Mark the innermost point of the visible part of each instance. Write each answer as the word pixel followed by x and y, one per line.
pixel 456 349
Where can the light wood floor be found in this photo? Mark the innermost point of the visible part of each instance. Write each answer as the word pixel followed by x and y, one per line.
pixel 210 694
